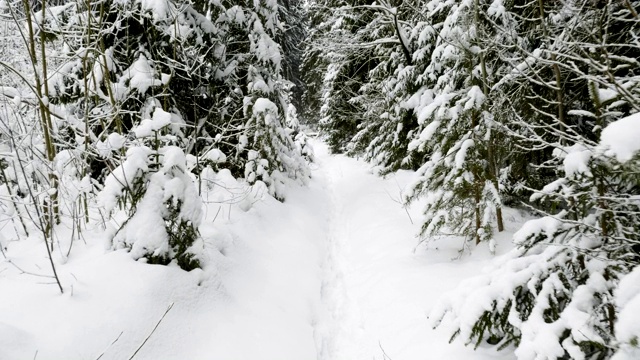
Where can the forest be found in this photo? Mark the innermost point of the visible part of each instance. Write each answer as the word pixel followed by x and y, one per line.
pixel 296 163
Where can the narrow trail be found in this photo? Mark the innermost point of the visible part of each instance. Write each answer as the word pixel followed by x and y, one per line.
pixel 376 289
pixel 342 325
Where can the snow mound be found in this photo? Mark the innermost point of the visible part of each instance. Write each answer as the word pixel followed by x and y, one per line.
pixel 621 139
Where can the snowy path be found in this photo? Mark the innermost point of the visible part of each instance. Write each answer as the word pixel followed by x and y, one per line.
pixel 376 290
pixel 330 274
pixel 342 324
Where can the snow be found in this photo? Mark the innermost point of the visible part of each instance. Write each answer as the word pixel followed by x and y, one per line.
pixel 9 91
pixel 425 135
pixel 628 327
pixel 161 9
pixel 145 231
pixel 620 138
pixel 496 9
pixel 140 76
pixel 148 127
pixel 263 105
pixel 113 142
pixel 461 154
pixel 215 155
pixel 543 226
pixel 583 113
pixel 236 14
pixel 378 287
pixel 137 159
pixel 333 273
pixel 576 160
pixel 475 98
pixel 606 95
pixel 265 48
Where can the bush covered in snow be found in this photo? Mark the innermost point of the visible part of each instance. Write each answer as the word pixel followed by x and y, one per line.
pixel 154 187
pixel 559 293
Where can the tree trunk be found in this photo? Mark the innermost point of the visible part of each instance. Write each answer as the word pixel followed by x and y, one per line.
pixel 493 172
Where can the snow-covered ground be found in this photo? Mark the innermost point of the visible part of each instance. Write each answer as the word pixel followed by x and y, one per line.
pixel 333 273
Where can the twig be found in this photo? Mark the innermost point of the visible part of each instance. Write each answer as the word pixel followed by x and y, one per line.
pixel 217 213
pixel 401 204
pixel 409 215
pixel 27 272
pixel 152 331
pixel 110 345
pixel 384 353
pixel 2 250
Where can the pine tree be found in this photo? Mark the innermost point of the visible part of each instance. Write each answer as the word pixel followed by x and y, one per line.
pixel 559 297
pixel 313 63
pixel 459 175
pixel 389 121
pixel 560 301
pixel 252 118
pixel 338 32
pixel 292 15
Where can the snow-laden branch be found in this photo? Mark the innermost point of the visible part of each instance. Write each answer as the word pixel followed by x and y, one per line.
pixel 401 34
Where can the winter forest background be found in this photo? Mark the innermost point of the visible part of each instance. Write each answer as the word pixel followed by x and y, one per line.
pixel 502 149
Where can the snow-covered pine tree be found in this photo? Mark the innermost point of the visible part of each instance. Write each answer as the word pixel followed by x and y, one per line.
pixel 533 91
pixel 293 16
pixel 153 185
pixel 253 121
pixel 314 61
pixel 388 120
pixel 556 295
pixel 459 175
pixel 339 44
